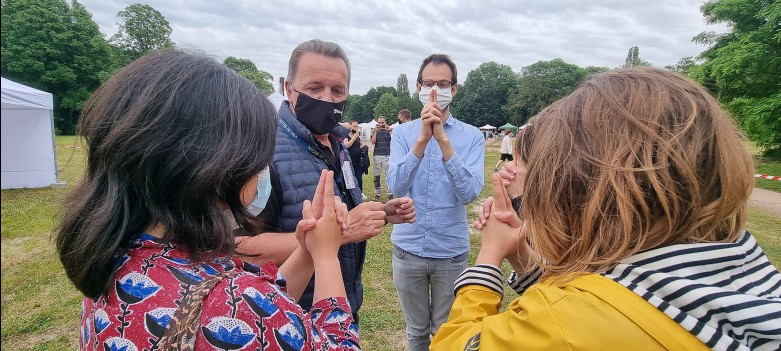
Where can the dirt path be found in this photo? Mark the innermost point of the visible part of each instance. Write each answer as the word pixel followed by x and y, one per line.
pixel 766 200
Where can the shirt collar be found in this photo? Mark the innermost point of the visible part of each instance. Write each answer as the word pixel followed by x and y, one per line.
pixel 450 120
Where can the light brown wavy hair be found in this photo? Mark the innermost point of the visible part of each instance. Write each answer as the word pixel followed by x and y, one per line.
pixel 632 160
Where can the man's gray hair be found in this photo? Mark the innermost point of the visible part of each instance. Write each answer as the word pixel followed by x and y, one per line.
pixel 320 47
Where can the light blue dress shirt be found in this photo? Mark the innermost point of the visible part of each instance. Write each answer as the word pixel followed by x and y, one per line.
pixel 441 190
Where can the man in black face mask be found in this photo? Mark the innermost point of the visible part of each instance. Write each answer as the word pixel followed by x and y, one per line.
pixel 307 143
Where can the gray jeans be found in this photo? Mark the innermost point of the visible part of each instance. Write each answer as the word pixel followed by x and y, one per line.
pixel 425 287
pixel 380 171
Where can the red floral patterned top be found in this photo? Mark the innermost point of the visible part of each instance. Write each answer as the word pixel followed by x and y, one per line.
pixel 246 311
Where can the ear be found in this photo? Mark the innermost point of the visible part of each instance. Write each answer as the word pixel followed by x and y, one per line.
pixel 288 89
pixel 418 86
pixel 454 89
pixel 289 94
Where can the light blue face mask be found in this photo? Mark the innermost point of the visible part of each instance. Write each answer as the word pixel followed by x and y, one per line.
pixel 264 191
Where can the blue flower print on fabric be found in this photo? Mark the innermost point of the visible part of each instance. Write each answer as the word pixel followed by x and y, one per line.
pixel 337 315
pixel 157 320
pixel 291 336
pixel 101 321
pixel 228 333
pixel 119 344
pixel 185 276
pixel 259 303
pixel 135 287
pixel 209 269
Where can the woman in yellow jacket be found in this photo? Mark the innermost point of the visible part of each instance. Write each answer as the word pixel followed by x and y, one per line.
pixel 636 192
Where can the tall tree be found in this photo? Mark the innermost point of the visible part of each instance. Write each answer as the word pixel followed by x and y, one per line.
pixel 742 67
pixel 541 84
pixel 89 58
pixel 245 67
pixel 633 58
pixel 56 48
pixel 387 106
pixel 480 99
pixel 402 86
pixel 34 38
pixel 142 29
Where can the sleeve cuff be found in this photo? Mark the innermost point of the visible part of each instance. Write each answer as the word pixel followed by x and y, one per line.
pixel 485 275
pixel 411 160
pixel 519 283
pixel 454 163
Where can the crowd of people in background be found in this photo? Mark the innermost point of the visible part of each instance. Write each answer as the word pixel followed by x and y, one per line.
pixel 252 233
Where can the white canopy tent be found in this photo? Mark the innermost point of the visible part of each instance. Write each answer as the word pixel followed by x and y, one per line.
pixel 276 98
pixel 28 156
pixel 366 129
pixel 487 127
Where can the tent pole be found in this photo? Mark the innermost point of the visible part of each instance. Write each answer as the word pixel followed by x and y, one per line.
pixel 54 145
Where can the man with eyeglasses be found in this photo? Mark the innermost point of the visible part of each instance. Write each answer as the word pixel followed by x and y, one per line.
pixel 438 161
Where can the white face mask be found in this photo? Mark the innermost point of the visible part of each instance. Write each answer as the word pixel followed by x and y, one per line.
pixel 444 96
pixel 264 191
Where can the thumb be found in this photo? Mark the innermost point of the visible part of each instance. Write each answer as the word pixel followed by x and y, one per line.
pixel 306 212
pixel 508 217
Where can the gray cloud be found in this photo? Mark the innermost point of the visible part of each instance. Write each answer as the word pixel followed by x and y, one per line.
pixel 386 38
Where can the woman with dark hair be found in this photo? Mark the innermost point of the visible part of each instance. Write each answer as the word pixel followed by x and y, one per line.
pixel 635 189
pixel 175 146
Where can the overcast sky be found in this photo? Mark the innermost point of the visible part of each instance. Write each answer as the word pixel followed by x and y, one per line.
pixel 386 38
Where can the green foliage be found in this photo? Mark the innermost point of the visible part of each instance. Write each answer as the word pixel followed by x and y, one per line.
pixel 57 48
pixel 387 106
pixel 742 67
pixel 363 109
pixel 412 104
pixel 540 85
pixel 596 69
pixel 684 66
pixel 245 67
pixel 402 86
pixel 486 89
pixel 761 118
pixel 633 58
pixel 356 106
pixel 142 29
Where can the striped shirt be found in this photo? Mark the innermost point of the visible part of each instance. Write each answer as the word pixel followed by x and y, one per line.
pixel 728 295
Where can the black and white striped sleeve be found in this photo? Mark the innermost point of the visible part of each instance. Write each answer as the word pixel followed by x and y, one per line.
pixel 486 275
pixel 520 283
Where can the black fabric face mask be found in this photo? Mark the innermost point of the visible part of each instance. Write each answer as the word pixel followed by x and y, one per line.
pixel 319 116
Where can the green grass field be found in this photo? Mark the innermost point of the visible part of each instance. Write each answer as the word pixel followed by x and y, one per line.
pixel 40 308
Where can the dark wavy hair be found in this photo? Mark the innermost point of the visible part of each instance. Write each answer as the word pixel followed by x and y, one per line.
pixel 171 139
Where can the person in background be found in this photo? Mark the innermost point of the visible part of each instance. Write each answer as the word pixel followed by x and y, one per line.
pixel 365 159
pixel 506 150
pixel 317 87
pixel 404 116
pixel 353 144
pixel 381 139
pixel 439 162
pixel 153 219
pixel 637 240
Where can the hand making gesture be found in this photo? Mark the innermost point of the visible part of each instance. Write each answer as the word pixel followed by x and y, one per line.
pixel 502 231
